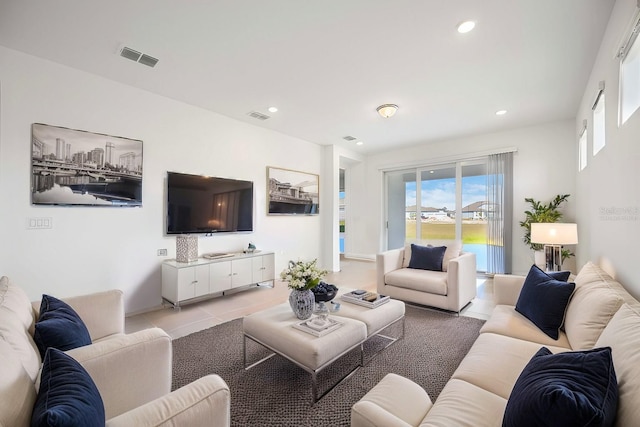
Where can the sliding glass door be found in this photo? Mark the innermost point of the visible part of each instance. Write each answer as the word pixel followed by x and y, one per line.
pixel 440 202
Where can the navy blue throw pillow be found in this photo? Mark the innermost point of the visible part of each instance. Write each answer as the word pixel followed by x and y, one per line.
pixel 68 396
pixel 59 326
pixel 427 257
pixel 543 300
pixel 565 389
pixel 563 276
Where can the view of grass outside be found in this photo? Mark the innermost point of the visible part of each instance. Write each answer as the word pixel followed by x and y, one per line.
pixel 472 232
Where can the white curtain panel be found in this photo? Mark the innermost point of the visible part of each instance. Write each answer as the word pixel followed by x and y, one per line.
pixel 500 195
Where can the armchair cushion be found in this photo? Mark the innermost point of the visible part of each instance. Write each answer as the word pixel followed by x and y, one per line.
pixel 427 257
pixel 543 300
pixel 433 282
pixel 59 326
pixel 67 396
pixel 565 389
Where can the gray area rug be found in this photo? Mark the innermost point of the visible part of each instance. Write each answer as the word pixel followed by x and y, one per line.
pixel 278 393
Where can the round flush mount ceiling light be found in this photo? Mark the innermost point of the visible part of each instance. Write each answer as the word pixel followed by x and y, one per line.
pixel 501 112
pixel 466 26
pixel 387 110
pixel 359 143
pixel 273 109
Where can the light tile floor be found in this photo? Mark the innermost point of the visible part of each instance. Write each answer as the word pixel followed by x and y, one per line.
pixel 198 316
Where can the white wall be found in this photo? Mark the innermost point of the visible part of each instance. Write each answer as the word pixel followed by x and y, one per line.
pixel 357 209
pixel 335 157
pixel 608 189
pixel 544 165
pixel 92 249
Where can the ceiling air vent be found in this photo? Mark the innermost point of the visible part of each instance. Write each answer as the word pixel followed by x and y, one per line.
pixel 138 57
pixel 257 115
pixel 131 54
pixel 349 138
pixel 148 60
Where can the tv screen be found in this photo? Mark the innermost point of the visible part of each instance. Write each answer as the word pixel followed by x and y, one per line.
pixel 203 204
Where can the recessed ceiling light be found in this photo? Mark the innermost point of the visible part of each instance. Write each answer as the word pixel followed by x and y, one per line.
pixel 431 171
pixel 273 109
pixel 359 143
pixel 501 112
pixel 466 26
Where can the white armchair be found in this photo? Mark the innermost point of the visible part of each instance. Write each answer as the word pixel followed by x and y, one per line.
pixel 132 372
pixel 449 290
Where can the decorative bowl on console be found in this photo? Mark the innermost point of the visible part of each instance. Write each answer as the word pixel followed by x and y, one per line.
pixel 324 292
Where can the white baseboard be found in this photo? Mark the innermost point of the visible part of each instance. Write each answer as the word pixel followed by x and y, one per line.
pixel 362 257
pixel 143 311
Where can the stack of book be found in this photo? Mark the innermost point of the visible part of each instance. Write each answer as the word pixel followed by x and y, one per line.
pixel 313 327
pixel 365 299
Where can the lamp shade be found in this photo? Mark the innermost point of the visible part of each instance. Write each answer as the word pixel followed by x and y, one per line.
pixel 555 233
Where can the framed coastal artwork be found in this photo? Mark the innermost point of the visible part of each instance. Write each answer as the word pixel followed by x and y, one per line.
pixel 291 192
pixel 78 168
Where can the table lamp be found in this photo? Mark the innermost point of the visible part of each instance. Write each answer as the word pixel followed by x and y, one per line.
pixel 553 236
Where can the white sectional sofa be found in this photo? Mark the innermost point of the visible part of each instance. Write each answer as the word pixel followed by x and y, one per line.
pixel 132 372
pixel 600 313
pixel 451 288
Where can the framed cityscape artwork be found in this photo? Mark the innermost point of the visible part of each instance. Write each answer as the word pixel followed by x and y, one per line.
pixel 292 192
pixel 79 168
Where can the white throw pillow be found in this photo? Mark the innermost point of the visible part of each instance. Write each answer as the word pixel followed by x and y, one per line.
pixel 589 311
pixel 14 299
pixel 590 273
pixel 622 334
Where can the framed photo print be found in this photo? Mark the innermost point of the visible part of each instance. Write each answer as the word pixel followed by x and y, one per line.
pixel 292 192
pixel 79 168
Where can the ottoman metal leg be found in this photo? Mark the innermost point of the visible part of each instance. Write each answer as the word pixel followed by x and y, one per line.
pixel 244 353
pixel 387 337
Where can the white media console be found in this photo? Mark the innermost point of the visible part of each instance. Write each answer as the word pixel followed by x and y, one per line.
pixel 184 282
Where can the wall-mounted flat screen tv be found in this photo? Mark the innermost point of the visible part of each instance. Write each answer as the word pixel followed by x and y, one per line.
pixel 204 204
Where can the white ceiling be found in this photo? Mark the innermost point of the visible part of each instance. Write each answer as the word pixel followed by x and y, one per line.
pixel 328 64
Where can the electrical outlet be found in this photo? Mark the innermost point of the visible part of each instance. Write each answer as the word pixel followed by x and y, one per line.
pixel 162 252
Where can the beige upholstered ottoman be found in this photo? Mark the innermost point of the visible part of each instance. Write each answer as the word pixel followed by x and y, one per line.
pixel 376 319
pixel 272 328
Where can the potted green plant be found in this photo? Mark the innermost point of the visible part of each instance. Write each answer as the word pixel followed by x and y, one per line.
pixel 543 212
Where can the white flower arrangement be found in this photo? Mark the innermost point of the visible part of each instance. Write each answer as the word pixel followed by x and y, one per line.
pixel 302 275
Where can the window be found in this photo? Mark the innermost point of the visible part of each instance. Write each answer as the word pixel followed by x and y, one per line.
pixel 598 124
pixel 475 211
pixel 440 202
pixel 582 149
pixel 629 55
